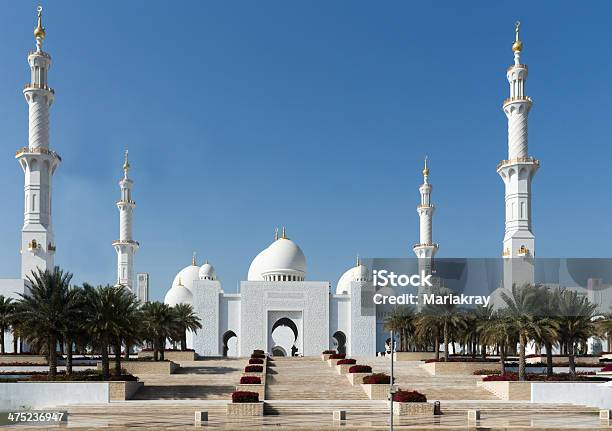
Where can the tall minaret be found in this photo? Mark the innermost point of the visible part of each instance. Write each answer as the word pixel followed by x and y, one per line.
pixel 517 172
pixel 425 250
pixel 125 246
pixel 38 163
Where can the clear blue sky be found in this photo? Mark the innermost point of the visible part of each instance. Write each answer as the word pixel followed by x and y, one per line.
pixel 241 116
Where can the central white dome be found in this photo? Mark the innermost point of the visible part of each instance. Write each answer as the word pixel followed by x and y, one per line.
pixel 283 260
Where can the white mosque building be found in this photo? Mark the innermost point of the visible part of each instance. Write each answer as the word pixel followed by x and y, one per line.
pixel 277 308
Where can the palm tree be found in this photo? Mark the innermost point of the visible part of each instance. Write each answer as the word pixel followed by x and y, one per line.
pixel 522 308
pixel 186 320
pixel 604 329
pixel 401 321
pixel 46 309
pixel 74 328
pixel 6 314
pixel 498 330
pixel 576 313
pixel 549 325
pixel 102 320
pixel 129 317
pixel 451 320
pixel 427 327
pixel 159 323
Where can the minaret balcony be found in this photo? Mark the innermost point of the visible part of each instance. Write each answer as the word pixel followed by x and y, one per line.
pixel 126 241
pixel 523 251
pixel 38 87
pixel 39 53
pixel 432 245
pixel 517 99
pixel 34 246
pixel 519 160
pixel 37 150
pixel 516 66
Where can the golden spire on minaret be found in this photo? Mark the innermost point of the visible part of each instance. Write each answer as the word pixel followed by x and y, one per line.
pixel 39 31
pixel 426 168
pixel 517 46
pixel 126 164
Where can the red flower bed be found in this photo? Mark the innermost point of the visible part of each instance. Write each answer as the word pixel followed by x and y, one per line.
pixel 346 362
pixel 258 352
pixel 607 368
pixel 253 369
pixel 258 355
pixel 329 352
pixel 409 397
pixel 486 372
pixel 250 380
pixel 338 356
pixel 245 397
pixel 360 369
pixel 377 379
pixel 256 361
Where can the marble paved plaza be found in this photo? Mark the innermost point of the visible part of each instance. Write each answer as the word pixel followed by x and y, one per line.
pixel 302 394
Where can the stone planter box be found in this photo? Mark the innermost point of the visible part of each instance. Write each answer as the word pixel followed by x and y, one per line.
pixel 413 409
pixel 606 356
pixel 245 409
pixel 262 376
pixel 325 356
pixel 376 392
pixel 333 362
pixel 260 389
pixel 413 356
pixel 121 391
pixel 171 355
pixel 508 391
pixel 15 359
pixel 457 368
pixel 343 368
pixel 145 367
pixel 563 359
pixel 357 378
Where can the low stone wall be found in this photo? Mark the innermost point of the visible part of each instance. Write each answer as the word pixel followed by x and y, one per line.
pixel 171 355
pixel 245 409
pixel 413 409
pixel 259 389
pixel 333 362
pixel 563 359
pixel 508 391
pixel 357 378
pixel 376 392
pixel 145 367
pixel 592 394
pixel 413 356
pixel 15 359
pixel 457 368
pixel 325 356
pixel 121 391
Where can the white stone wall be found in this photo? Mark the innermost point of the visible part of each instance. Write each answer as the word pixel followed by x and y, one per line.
pixel 261 297
pixel 17 396
pixel 207 303
pixel 363 327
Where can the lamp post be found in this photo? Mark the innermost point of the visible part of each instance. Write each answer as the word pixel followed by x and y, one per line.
pixel 392 388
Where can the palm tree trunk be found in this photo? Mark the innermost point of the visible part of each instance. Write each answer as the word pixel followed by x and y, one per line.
pixel 184 342
pixel 162 348
pixel 437 344
pixel 445 342
pixel 117 358
pixel 502 361
pixel 571 357
pixel 155 350
pixel 521 357
pixel 68 355
pixel 15 342
pixel 127 350
pixel 2 341
pixel 52 356
pixel 105 364
pixel 549 359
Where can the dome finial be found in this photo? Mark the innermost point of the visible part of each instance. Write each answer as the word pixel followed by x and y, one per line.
pixel 180 282
pixel 517 46
pixel 276 234
pixel 358 260
pixel 284 233
pixel 193 259
pixel 39 31
pixel 426 168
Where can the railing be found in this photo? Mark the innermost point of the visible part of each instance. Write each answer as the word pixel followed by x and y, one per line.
pixel 518 66
pixel 37 150
pixel 425 206
pixel 516 99
pixel 426 245
pixel 125 241
pixel 529 160
pixel 39 87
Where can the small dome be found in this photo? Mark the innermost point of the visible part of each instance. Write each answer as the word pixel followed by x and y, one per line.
pixel 359 272
pixel 178 294
pixel 207 272
pixel 187 276
pixel 283 260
